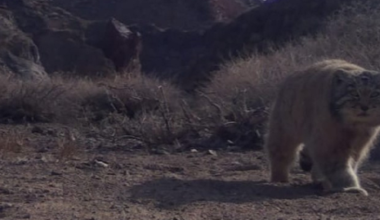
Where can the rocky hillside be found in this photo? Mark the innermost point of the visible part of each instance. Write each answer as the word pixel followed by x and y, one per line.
pixel 180 39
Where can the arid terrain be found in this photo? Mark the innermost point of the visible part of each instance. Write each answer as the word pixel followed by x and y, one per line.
pixel 103 180
pixel 113 116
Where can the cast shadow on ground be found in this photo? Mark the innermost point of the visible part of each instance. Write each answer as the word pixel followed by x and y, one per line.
pixel 171 192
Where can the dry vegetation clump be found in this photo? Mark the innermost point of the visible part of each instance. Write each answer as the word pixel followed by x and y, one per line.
pixel 30 101
pixel 234 105
pixel 139 107
pixel 128 96
pixel 352 34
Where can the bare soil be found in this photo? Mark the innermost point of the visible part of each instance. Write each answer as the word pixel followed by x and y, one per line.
pixel 98 178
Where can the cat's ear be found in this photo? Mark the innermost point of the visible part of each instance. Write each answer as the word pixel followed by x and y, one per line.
pixel 370 73
pixel 373 76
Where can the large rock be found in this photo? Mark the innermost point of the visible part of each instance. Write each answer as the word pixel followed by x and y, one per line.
pixel 62 51
pixel 122 46
pixel 18 53
pixel 23 68
pixel 60 38
pixel 167 52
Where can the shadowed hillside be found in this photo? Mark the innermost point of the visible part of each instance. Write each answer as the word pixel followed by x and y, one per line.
pixel 161 45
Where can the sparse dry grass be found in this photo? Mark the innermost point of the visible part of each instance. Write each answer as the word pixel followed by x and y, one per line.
pixel 12 142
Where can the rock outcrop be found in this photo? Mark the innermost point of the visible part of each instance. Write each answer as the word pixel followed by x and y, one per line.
pixel 59 37
pixel 122 46
pixel 18 53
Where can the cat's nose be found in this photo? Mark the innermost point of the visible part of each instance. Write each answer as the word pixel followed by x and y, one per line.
pixel 364 107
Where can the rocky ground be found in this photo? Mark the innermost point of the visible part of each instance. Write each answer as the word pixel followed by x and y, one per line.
pixel 95 178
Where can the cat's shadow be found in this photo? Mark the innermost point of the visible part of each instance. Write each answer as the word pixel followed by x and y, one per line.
pixel 171 192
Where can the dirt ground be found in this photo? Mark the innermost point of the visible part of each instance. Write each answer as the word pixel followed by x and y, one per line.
pixel 101 179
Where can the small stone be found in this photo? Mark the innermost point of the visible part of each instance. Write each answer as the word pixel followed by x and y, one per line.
pixel 101 163
pixel 212 152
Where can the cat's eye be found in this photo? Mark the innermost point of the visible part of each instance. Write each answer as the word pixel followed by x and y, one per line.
pixel 375 94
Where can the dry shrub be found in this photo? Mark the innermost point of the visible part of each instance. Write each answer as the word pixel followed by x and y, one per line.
pixel 351 34
pixel 68 145
pixel 157 109
pixel 30 101
pixel 234 105
pixel 138 107
pixel 161 121
pixel 144 108
pixel 129 96
pixel 87 98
